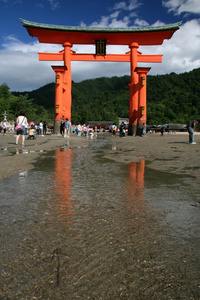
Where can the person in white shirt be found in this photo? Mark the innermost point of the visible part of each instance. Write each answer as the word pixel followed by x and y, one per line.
pixel 79 129
pixel 21 120
pixel 41 128
pixel 4 127
pixel 114 129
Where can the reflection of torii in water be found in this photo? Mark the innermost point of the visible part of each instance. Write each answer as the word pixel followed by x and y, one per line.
pixel 135 187
pixel 101 37
pixel 62 187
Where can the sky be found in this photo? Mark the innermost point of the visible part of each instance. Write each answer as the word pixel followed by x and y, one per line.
pixel 21 69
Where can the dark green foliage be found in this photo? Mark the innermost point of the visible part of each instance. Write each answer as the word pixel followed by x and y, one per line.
pixel 170 98
pixel 13 103
pixel 101 99
pixel 173 98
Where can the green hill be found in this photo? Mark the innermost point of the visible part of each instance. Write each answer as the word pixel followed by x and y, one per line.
pixel 170 98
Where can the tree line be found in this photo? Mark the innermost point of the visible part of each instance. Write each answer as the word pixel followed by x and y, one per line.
pixel 171 98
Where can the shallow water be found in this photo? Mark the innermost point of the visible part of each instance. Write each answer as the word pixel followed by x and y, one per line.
pixel 79 226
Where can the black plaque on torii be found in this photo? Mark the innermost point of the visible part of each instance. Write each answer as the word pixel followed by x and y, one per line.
pixel 100 47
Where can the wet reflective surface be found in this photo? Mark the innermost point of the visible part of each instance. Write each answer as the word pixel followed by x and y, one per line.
pixel 81 226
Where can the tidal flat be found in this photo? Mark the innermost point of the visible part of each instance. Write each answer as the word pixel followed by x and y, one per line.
pixel 108 218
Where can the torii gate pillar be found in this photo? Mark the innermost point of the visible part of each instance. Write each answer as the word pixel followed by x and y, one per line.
pixel 63 82
pixel 138 100
pixel 142 98
pixel 67 93
pixel 133 98
pixel 59 100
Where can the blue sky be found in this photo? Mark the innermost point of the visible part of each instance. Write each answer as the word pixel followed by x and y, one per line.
pixel 22 71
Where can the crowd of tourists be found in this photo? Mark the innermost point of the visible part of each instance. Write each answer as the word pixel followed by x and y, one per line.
pixel 85 130
pixel 66 128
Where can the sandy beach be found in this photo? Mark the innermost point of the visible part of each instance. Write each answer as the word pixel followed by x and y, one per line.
pixel 169 153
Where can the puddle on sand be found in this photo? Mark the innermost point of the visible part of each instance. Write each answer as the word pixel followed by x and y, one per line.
pixel 78 226
pixel 18 150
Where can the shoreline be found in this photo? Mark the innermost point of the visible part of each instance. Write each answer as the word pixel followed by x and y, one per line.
pixel 169 153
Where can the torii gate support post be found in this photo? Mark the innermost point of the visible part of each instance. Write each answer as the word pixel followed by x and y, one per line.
pixel 59 101
pixel 133 98
pixel 142 101
pixel 67 91
pixel 63 98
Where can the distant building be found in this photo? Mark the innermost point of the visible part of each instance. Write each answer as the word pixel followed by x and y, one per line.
pixel 98 124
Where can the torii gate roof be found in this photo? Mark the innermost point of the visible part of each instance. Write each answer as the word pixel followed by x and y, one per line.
pixel 58 34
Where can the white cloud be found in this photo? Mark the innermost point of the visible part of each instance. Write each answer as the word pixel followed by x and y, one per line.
pixel 158 23
pixel 127 5
pixel 24 71
pixel 13 44
pixel 111 21
pixel 139 22
pixel 182 6
pixel 54 4
pixel 180 53
pixel 20 67
pixel 117 18
pixel 103 23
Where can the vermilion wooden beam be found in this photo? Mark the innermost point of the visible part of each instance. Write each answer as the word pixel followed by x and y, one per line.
pixel 93 57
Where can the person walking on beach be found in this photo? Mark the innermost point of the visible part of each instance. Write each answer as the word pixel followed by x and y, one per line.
pixel 144 132
pixel 62 127
pixel 79 129
pixel 21 120
pixel 41 128
pixel 162 130
pixel 4 127
pixel 67 127
pixel 190 128
pixel 122 130
pixel 44 128
pixel 114 130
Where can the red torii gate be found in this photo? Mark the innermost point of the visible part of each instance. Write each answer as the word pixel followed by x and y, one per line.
pixel 70 35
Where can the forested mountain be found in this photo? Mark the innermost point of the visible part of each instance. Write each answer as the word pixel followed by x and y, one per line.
pixel 173 98
pixel 170 98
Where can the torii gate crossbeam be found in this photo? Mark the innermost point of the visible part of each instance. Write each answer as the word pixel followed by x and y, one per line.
pixel 93 57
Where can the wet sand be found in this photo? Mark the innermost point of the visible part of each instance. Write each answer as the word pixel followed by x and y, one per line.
pixel 118 242
pixel 171 152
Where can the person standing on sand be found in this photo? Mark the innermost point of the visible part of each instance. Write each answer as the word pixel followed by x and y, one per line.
pixel 44 128
pixel 4 127
pixel 162 130
pixel 41 128
pixel 190 128
pixel 114 130
pixel 23 121
pixel 122 130
pixel 62 127
pixel 79 129
pixel 144 132
pixel 67 127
